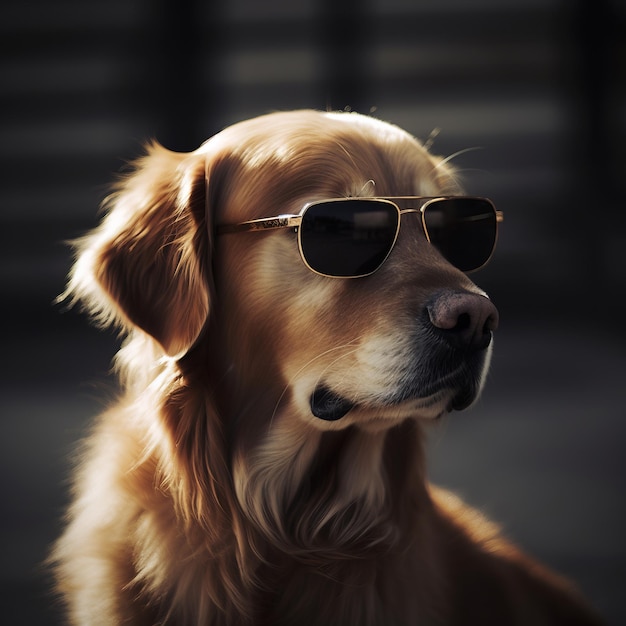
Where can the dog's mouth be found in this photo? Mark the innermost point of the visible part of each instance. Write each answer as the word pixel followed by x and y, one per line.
pixel 328 405
pixel 435 381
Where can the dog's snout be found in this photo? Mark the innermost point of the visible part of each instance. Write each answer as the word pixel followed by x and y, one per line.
pixel 465 320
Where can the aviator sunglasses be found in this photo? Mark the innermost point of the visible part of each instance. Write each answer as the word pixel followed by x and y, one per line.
pixel 352 237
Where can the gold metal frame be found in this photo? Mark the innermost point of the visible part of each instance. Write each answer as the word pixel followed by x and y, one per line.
pixel 291 220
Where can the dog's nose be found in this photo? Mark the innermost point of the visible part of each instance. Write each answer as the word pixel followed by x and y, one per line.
pixel 465 320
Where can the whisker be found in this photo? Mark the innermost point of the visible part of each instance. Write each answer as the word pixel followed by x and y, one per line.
pixel 456 154
pixel 428 144
pixel 343 356
pixel 306 365
pixel 474 170
pixel 367 183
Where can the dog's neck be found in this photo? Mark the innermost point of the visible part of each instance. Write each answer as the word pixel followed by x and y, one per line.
pixel 313 494
pixel 333 507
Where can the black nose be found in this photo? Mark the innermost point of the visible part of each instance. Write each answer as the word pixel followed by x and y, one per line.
pixel 465 320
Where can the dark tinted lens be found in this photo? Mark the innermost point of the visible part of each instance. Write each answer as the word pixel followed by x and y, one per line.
pixel 348 237
pixel 463 230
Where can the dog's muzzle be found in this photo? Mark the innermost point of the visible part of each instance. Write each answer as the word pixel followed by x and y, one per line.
pixel 457 329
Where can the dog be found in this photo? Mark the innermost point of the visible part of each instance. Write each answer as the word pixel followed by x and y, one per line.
pixel 293 321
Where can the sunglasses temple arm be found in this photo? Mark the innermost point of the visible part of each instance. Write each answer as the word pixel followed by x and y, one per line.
pixel 265 223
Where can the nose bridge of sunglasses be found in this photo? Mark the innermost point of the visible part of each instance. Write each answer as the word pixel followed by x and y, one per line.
pixel 415 223
pixel 410 204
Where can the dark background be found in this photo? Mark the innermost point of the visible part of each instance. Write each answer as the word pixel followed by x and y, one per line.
pixel 536 86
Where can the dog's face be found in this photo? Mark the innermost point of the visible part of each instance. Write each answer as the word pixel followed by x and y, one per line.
pixel 410 340
pixel 334 352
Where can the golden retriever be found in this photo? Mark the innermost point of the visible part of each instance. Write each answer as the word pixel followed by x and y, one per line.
pixel 263 464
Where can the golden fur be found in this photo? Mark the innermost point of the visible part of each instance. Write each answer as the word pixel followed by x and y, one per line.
pixel 209 493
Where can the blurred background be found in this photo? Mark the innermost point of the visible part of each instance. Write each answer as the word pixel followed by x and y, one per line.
pixel 535 89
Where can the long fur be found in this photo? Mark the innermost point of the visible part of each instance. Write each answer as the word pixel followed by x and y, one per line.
pixel 208 493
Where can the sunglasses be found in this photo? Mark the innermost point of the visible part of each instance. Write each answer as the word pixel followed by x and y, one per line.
pixel 352 237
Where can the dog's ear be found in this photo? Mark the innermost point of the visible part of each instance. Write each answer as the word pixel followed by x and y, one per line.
pixel 147 265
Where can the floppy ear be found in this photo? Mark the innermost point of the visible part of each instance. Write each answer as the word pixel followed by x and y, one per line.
pixel 147 265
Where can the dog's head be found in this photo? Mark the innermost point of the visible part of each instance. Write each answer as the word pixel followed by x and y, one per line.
pixel 278 388
pixel 410 340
